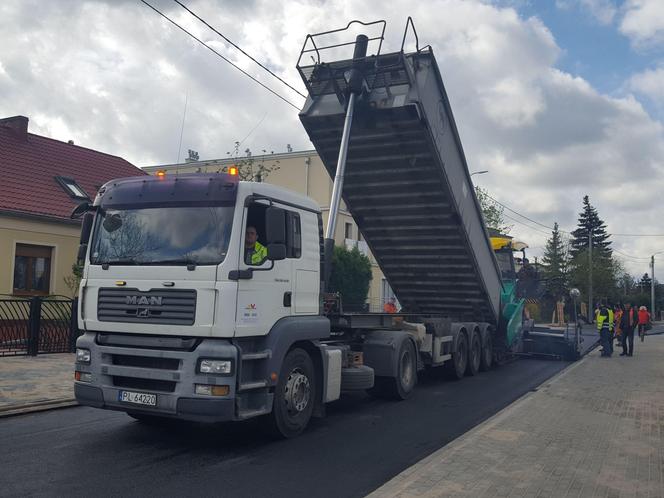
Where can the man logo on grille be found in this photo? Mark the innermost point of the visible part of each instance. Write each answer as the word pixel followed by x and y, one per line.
pixel 143 300
pixel 142 312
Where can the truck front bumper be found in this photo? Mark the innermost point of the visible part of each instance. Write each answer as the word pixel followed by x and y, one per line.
pixel 170 375
pixel 200 410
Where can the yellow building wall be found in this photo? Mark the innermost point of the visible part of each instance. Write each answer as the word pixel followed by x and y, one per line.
pixel 302 172
pixel 62 238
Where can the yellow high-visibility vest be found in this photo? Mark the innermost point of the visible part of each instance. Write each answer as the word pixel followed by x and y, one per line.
pixel 259 255
pixel 603 321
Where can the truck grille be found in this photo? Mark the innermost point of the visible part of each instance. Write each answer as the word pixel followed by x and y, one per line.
pixel 162 306
pixel 146 362
pixel 144 384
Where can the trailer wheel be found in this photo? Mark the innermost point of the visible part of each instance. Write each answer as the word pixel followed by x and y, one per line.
pixel 487 352
pixel 474 354
pixel 402 386
pixel 294 395
pixel 457 367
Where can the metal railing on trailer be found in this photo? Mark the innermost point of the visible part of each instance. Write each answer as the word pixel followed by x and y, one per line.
pixel 37 325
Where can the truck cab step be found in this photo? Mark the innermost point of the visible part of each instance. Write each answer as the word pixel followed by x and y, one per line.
pixel 250 386
pixel 256 412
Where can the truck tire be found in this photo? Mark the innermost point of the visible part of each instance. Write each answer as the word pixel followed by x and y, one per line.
pixel 474 353
pixel 402 386
pixel 294 395
pixel 357 378
pixel 487 352
pixel 457 366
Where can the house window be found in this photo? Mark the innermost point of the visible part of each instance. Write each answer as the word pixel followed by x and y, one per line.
pixel 32 269
pixel 72 188
pixel 348 234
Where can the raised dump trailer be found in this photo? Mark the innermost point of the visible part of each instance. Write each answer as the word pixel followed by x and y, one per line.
pixel 406 180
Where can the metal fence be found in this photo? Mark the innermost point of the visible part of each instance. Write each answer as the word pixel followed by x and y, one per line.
pixel 37 325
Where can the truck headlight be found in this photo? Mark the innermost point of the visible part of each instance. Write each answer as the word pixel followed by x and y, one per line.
pixel 82 355
pixel 219 367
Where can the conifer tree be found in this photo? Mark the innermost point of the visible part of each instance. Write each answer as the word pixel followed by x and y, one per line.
pixel 645 282
pixel 555 264
pixel 590 222
pixel 606 270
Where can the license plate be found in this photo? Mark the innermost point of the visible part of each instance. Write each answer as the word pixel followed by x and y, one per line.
pixel 137 398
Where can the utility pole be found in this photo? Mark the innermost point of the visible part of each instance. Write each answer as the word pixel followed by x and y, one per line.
pixel 652 286
pixel 591 308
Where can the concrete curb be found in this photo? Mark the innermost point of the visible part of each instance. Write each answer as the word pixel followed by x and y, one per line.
pixel 40 406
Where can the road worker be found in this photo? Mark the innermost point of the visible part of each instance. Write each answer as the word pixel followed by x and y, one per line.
pixel 390 305
pixel 605 328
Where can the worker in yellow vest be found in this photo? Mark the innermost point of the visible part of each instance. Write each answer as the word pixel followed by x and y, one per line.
pixel 254 252
pixel 605 328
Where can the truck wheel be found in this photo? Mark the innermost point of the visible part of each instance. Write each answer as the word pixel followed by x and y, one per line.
pixel 402 386
pixel 487 352
pixel 294 395
pixel 457 367
pixel 474 354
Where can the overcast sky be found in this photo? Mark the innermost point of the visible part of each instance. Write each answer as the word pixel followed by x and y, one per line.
pixel 556 98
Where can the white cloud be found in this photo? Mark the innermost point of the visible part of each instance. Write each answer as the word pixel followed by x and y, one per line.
pixel 643 22
pixel 603 10
pixel 113 76
pixel 649 83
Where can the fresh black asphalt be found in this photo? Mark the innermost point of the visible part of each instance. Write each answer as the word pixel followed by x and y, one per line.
pixel 361 444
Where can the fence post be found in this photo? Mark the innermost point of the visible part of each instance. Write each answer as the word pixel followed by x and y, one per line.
pixel 34 323
pixel 73 325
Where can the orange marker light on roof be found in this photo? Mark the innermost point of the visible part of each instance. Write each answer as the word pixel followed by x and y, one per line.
pixel 161 174
pixel 232 170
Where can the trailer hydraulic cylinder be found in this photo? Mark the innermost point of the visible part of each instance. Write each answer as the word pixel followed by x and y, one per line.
pixel 355 82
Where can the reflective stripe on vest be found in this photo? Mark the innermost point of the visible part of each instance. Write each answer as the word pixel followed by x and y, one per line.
pixel 259 255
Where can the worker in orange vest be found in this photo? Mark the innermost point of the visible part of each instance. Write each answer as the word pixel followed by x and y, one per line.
pixel 644 321
pixel 617 319
pixel 390 305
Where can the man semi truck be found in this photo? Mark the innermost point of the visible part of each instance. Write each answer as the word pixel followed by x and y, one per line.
pixel 178 323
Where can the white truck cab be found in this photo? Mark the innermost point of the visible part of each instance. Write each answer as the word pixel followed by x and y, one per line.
pixel 177 320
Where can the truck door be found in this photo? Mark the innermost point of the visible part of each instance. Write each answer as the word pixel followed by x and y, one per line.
pixel 265 292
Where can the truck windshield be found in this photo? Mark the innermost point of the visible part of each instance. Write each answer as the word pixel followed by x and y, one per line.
pixel 168 236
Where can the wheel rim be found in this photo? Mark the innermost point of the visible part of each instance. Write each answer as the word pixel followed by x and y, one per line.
pixel 462 353
pixel 477 351
pixel 406 369
pixel 297 392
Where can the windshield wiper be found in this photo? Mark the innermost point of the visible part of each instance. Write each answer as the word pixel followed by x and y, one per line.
pixel 178 261
pixel 119 262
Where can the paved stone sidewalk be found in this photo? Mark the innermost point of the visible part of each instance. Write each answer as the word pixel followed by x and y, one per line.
pixel 35 383
pixel 596 429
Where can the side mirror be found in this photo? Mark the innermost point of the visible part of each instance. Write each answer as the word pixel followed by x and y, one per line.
pixel 276 252
pixel 80 210
pixel 82 250
pixel 86 227
pixel 275 226
pixel 112 223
